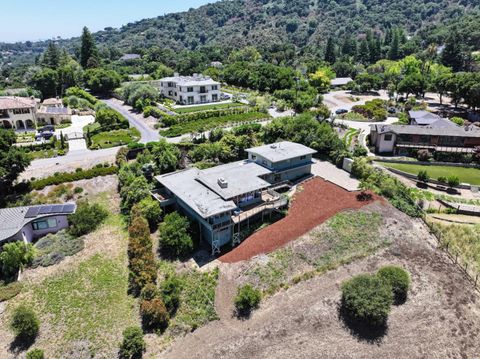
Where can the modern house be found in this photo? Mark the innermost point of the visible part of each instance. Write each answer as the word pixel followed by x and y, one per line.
pixel 222 198
pixel 440 136
pixel 18 113
pixel 190 90
pixel 340 81
pixel 33 222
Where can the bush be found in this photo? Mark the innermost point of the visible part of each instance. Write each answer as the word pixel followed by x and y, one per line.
pixel 154 314
pixel 133 344
pixel 86 219
pixel 442 179
pixel 15 256
pixel 367 299
pixel 247 299
pixel 53 248
pixel 398 279
pixel 424 155
pixel 174 237
pixel 24 323
pixel 170 292
pixel 35 354
pixel 374 109
pixel 78 190
pixel 423 176
pixel 453 181
pixel 10 291
pixel 150 292
pixel 150 210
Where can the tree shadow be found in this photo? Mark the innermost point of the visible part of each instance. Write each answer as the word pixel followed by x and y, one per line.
pixel 361 331
pixel 20 344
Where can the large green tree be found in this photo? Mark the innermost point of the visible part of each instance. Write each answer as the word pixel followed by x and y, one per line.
pixel 88 49
pixel 101 81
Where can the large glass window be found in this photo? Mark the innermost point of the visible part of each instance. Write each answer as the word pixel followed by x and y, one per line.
pixel 44 224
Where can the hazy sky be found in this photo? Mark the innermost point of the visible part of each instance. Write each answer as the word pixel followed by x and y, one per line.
pixel 24 20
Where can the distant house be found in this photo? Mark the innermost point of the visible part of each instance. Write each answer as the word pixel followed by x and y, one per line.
pixel 340 81
pixel 216 64
pixel 441 135
pixel 18 113
pixel 190 90
pixel 130 57
pixel 221 199
pixel 33 222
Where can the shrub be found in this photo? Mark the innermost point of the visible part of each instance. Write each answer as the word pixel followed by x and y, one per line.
pixel 35 354
pixel 424 155
pixel 453 181
pixel 15 256
pixel 150 292
pixel 154 314
pixel 423 176
pixel 442 179
pixel 367 299
pixel 133 344
pixel 10 291
pixel 398 279
pixel 170 292
pixel 150 210
pixel 121 157
pixel 247 299
pixel 374 109
pixel 86 219
pixel 24 323
pixel 53 248
pixel 78 190
pixel 174 237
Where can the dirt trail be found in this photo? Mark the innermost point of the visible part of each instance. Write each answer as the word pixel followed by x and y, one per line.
pixel 225 292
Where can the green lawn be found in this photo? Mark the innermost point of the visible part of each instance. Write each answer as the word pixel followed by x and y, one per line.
pixel 465 174
pixel 218 106
pixel 114 138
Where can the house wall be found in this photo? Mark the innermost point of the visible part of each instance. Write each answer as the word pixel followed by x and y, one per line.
pixel 32 235
pixel 23 117
pixel 180 93
pixel 52 119
pixel 384 146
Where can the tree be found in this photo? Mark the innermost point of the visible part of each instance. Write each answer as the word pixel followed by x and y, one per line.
pixel 170 290
pixel 35 354
pixel 398 279
pixel 166 156
pixel 394 51
pixel 15 256
pixel 51 56
pixel 364 53
pixel 150 210
pixel 46 81
pixel 174 237
pixel 247 299
pixel 321 78
pixel 453 54
pixel 86 218
pixel 133 344
pixel 108 118
pixel 413 84
pixel 24 323
pixel 88 49
pixel 367 299
pixel 154 314
pixel 13 161
pixel 330 55
pixel 62 141
pixel 101 81
pixel 133 193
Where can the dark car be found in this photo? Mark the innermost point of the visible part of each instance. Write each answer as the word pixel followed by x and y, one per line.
pixel 341 111
pixel 47 128
pixel 392 110
pixel 45 135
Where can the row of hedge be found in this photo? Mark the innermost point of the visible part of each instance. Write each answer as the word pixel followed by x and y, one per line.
pixel 196 116
pixel 79 174
pixel 211 123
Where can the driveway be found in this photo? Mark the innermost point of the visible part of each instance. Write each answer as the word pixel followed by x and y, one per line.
pixel 147 134
pixel 78 123
pixel 331 173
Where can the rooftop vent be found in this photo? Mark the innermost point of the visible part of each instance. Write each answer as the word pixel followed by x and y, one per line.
pixel 273 145
pixel 222 182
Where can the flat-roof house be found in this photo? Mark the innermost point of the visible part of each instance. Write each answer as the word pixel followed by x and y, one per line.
pixel 340 81
pixel 190 90
pixel 32 222
pixel 221 198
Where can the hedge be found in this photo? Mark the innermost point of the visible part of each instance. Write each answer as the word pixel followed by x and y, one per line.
pixel 210 123
pixel 195 116
pixel 10 291
pixel 64 177
pixel 76 91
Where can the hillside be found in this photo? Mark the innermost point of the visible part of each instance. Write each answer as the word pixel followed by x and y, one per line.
pixel 275 26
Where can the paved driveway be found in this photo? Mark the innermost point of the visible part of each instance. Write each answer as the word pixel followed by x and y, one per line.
pixel 331 173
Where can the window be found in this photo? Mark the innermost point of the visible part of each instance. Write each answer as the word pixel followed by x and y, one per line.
pixel 203 98
pixel 190 100
pixel 215 97
pixel 303 157
pixel 44 224
pixel 388 137
pixel 189 89
pixel 254 158
pixel 214 87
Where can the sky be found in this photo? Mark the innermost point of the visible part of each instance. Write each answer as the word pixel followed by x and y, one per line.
pixel 40 20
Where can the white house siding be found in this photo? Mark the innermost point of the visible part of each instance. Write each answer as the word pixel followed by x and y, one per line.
pixel 180 93
pixel 384 146
pixel 31 235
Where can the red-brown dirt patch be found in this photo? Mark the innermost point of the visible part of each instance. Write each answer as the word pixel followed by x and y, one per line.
pixel 317 201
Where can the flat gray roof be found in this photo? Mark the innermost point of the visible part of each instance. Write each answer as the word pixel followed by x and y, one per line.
pixel 201 199
pixel 191 80
pixel 241 177
pixel 282 151
pixel 340 81
pixel 458 131
pixel 12 220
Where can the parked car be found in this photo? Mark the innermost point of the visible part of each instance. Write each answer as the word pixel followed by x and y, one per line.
pixel 45 135
pixel 47 128
pixel 341 111
pixel 392 110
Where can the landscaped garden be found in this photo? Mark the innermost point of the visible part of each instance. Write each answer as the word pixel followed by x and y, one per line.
pixel 114 138
pixel 214 106
pixel 464 174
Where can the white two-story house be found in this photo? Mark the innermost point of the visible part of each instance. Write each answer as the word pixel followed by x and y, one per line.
pixel 190 90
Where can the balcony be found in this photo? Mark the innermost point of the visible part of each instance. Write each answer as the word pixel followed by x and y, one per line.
pixel 163 197
pixel 271 200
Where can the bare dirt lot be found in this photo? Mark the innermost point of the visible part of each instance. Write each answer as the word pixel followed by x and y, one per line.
pixel 440 319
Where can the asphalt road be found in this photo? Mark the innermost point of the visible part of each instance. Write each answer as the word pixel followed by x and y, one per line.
pixel 147 134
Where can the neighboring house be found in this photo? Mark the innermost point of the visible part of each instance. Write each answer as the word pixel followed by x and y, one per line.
pixel 18 113
pixel 53 115
pixel 441 136
pixel 216 64
pixel 190 90
pixel 425 118
pixel 33 222
pixel 53 102
pixel 340 81
pixel 130 57
pixel 221 198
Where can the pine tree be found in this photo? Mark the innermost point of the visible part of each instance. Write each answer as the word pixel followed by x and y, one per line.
pixel 349 47
pixel 62 141
pixel 51 56
pixel 330 55
pixel 394 52
pixel 364 52
pixel 88 50
pixel 453 55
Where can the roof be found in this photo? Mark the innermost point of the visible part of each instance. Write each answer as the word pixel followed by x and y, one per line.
pixel 282 151
pixel 241 177
pixel 12 102
pixel 13 219
pixel 198 197
pixel 194 80
pixel 340 81
pixel 52 101
pixel 127 57
pixel 455 131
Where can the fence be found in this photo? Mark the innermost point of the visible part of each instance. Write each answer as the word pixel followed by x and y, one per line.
pixel 468 269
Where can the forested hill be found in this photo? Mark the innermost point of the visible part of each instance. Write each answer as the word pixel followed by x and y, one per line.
pixel 270 24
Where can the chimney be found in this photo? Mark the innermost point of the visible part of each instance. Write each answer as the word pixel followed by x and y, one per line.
pixel 222 182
